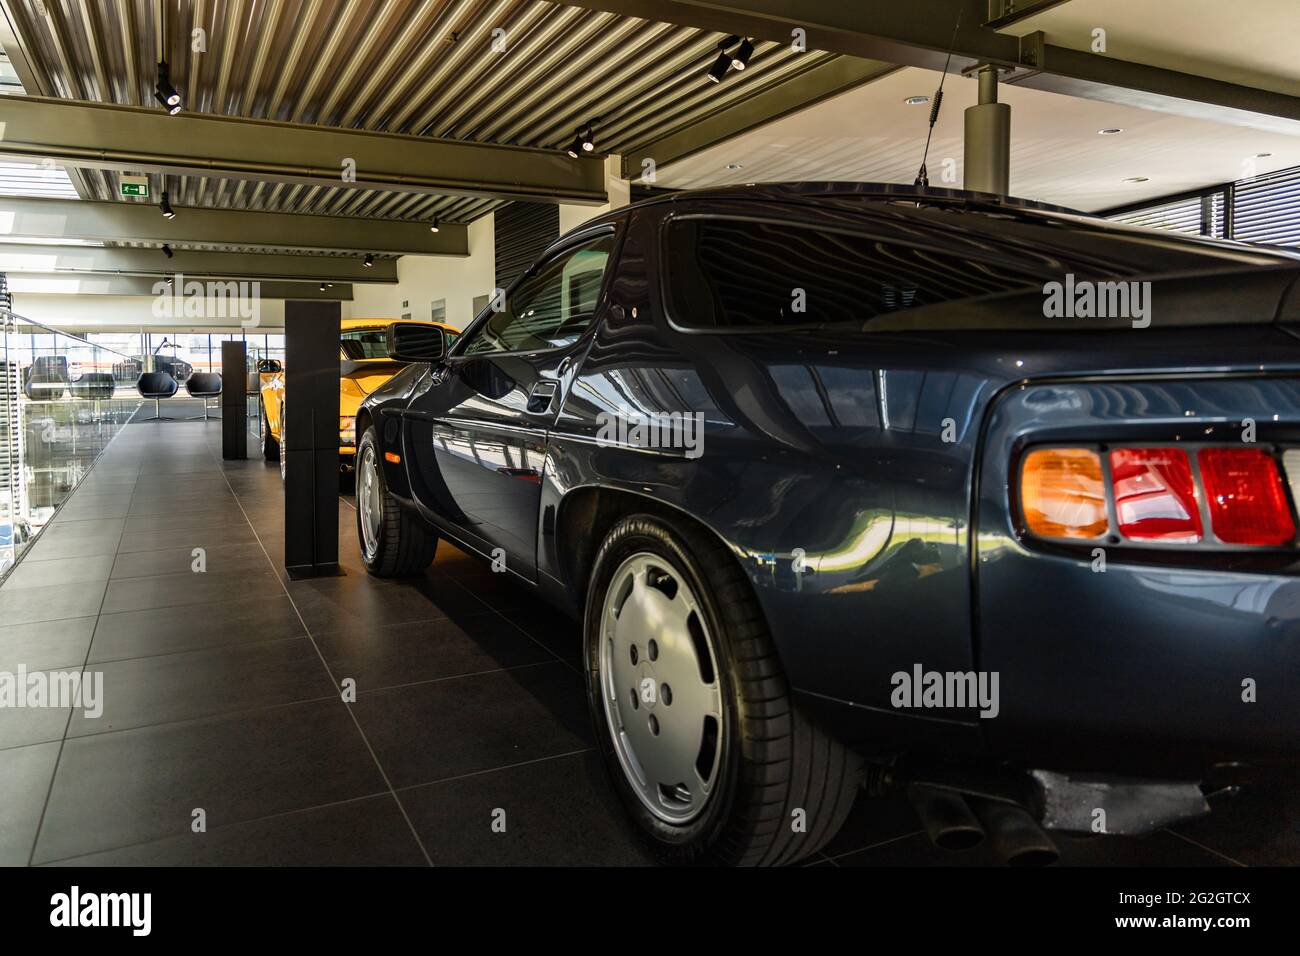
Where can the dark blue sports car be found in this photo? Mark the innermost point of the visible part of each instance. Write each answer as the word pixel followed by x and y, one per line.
pixel 870 486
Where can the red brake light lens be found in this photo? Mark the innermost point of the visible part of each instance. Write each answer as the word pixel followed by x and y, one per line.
pixel 1246 498
pixel 1155 495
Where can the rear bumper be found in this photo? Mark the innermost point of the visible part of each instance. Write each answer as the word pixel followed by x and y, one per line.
pixel 1145 664
pixel 1140 670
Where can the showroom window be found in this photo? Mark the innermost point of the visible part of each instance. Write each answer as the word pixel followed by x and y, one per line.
pixel 731 273
pixel 551 307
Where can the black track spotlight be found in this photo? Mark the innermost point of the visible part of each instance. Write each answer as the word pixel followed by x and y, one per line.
pixel 574 149
pixel 720 67
pixel 587 138
pixel 433 226
pixel 167 251
pixel 322 286
pixel 165 93
pixel 368 261
pixel 740 59
pixel 166 207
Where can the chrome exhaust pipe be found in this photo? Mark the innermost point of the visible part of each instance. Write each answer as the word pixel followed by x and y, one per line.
pixel 947 819
pixel 1014 834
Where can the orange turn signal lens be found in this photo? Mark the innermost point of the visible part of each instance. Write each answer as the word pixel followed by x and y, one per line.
pixel 392 457
pixel 1062 493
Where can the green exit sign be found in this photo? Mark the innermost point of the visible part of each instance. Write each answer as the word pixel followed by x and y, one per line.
pixel 137 186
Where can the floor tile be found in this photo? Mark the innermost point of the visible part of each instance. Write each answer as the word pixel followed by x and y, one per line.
pixel 379 657
pixel 25 774
pixel 20 726
pixel 228 533
pixel 557 812
pixel 184 521
pixel 189 587
pixel 155 690
pixel 65 530
pixel 50 603
pixel 133 786
pixel 170 630
pixel 220 559
pixel 63 571
pixel 1259 826
pixel 430 732
pixel 45 644
pixel 367 832
pixel 44 549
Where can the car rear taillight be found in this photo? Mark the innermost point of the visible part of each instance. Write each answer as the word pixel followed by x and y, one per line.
pixel 1246 497
pixel 1155 495
pixel 1063 493
pixel 1198 496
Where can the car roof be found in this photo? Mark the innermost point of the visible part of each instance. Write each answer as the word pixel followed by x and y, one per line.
pixel 348 325
pixel 900 196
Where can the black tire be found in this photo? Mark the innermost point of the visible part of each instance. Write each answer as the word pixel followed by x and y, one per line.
pixel 270 447
pixel 775 761
pixel 405 546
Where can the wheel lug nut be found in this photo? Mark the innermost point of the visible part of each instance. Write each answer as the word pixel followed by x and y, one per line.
pixel 666 694
pixel 654 725
pixel 654 650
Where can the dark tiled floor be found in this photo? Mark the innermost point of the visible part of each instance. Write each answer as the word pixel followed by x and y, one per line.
pixel 223 702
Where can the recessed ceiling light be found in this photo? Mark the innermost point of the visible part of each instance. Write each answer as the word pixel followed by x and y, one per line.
pixel 1137 179
pixel 917 100
pixel 735 166
pixel 1109 131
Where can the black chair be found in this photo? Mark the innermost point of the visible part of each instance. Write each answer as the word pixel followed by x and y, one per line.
pixel 156 385
pixel 93 385
pixel 203 385
pixel 47 378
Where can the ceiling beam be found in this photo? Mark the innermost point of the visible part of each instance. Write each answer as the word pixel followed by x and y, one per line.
pixel 822 82
pixel 137 139
pixel 12 44
pixel 1005 13
pixel 32 283
pixel 142 222
pixel 914 34
pixel 92 260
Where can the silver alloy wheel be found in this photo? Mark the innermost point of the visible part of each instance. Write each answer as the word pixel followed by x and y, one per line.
pixel 283 447
pixel 369 504
pixel 660 684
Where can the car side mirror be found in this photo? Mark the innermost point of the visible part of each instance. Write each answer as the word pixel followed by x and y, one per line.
pixel 270 365
pixel 415 343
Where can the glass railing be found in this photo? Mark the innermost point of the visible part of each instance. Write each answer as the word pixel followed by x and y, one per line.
pixel 62 400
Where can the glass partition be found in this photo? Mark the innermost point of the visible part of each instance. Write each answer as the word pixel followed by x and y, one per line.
pixel 63 398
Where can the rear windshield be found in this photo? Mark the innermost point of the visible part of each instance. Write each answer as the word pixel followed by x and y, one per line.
pixel 730 273
pixel 360 344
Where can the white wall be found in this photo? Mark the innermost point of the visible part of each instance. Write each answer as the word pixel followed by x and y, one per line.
pixel 423 279
pixel 619 191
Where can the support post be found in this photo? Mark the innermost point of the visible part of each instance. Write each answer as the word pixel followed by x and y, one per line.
pixel 234 403
pixel 310 433
pixel 988 138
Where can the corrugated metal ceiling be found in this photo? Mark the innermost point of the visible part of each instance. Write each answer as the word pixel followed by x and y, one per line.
pixel 425 67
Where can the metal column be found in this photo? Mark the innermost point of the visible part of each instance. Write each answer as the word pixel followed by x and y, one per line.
pixel 988 138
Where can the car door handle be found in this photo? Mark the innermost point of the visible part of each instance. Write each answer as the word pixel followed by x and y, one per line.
pixel 540 397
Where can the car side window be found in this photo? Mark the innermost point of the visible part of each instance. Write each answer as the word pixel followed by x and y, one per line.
pixel 549 309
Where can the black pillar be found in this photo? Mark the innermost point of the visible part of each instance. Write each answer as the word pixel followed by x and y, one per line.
pixel 234 402
pixel 311 438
